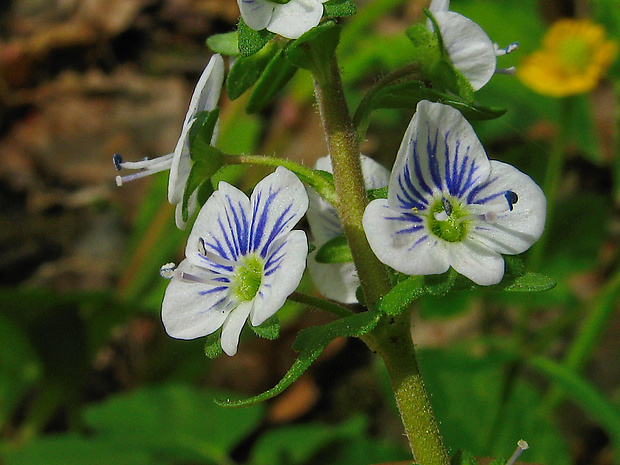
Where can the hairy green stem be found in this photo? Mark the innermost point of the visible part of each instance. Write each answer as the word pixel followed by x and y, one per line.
pixel 321 184
pixel 391 339
pixel 321 304
pixel 344 151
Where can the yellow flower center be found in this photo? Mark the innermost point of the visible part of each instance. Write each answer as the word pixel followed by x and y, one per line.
pixel 574 53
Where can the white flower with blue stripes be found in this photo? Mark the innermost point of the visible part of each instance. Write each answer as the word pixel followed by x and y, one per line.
pixel 242 260
pixel 449 206
pixel 470 49
pixel 289 19
pixel 205 98
pixel 337 281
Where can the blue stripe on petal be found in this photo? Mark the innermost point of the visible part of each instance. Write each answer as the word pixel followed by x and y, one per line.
pixel 433 163
pixel 212 290
pixel 418 170
pixel 418 242
pixel 471 198
pixel 412 229
pixel 232 249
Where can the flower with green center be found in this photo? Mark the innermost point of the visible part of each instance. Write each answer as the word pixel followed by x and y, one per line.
pixel 449 206
pixel 242 260
pixel 205 98
pixel 290 18
pixel 574 58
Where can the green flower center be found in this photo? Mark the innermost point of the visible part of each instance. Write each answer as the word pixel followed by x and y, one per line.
pixel 446 220
pixel 247 277
pixel 279 1
pixel 575 53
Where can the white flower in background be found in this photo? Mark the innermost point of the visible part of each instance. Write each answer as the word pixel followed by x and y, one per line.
pixel 205 98
pixel 470 49
pixel 336 281
pixel 242 260
pixel 449 206
pixel 290 20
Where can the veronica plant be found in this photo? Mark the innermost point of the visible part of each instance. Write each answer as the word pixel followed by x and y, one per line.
pixel 445 206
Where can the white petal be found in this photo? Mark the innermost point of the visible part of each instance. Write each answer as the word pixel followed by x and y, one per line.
pixel 192 203
pixel 336 281
pixel 402 241
pixel 256 13
pixel 512 232
pixel 440 155
pixel 205 98
pixel 285 266
pixel 470 49
pixel 296 17
pixel 180 168
pixel 279 201
pixel 221 228
pixel 192 310
pixel 439 5
pixel 477 262
pixel 231 330
pixel 207 91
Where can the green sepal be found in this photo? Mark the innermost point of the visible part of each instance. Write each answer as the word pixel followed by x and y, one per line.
pixel 338 8
pixel 277 74
pixel 204 166
pixel 226 44
pixel 381 193
pixel 405 292
pixel 205 190
pixel 335 250
pixel 310 342
pixel 251 41
pixel 314 49
pixel 269 329
pixel 462 457
pixel 427 50
pixel 248 69
pixel 201 132
pixel 213 344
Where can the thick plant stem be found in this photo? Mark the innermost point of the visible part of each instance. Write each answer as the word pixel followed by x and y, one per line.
pixel 344 151
pixel 391 339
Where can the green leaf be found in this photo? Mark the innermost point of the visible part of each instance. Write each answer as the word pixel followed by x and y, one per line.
pixel 213 344
pixel 270 329
pixel 314 49
pixel 405 292
pixel 248 69
pixel 381 193
pixel 226 44
pixel 531 282
pixel 277 74
pixel 335 250
pixel 251 41
pixel 177 422
pixel 408 94
pixel 310 342
pixel 339 8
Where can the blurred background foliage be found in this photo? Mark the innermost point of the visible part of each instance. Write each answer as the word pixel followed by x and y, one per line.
pixel 87 375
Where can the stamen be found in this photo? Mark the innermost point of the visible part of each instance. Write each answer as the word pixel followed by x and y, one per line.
pixel 117 159
pixel 167 270
pixel 211 278
pixel 154 166
pixel 147 163
pixel 447 206
pixel 512 198
pixel 521 446
pixel 506 50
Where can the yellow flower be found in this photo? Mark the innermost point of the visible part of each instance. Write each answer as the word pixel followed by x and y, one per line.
pixel 574 57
